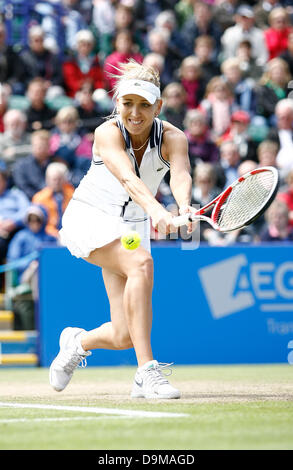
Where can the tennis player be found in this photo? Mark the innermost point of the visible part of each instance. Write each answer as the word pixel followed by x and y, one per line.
pixel 132 152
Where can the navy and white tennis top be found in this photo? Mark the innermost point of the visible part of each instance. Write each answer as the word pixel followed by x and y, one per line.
pixel 101 189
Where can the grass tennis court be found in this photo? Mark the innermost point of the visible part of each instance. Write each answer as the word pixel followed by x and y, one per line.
pixel 222 407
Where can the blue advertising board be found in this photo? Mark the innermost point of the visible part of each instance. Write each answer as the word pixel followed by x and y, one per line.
pixel 212 305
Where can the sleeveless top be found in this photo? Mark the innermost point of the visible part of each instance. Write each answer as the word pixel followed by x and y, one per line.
pixel 101 189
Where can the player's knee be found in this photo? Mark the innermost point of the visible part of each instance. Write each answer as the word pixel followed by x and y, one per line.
pixel 144 265
pixel 122 340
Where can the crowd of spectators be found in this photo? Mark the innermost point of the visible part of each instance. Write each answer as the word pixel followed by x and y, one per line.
pixel 226 70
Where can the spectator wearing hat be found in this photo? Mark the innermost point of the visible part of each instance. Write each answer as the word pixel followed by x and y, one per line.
pixel 239 134
pixel 13 204
pixel 82 65
pixel 245 29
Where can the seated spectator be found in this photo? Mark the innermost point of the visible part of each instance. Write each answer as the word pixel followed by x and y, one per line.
pixel 287 55
pixel 55 196
pixel 4 101
pixel 167 20
pixel 103 17
pixel 201 148
pixel 243 88
pixel 224 13
pixel 276 36
pixel 124 50
pixel 262 10
pixel 201 23
pixel 38 61
pixel 194 84
pixel 39 115
pixel 239 133
pixel 28 240
pixel 285 194
pixel 283 134
pixel 13 204
pixel 15 142
pixel 82 66
pixel 73 21
pixel 158 43
pixel 174 107
pixel 203 50
pixel 10 66
pixel 267 152
pixel 247 63
pixel 218 105
pixel 244 29
pixel 29 172
pixel 277 228
pixel 154 60
pixel 272 87
pixel 183 10
pixel 229 163
pixel 89 111
pixel 146 12
pixel 69 146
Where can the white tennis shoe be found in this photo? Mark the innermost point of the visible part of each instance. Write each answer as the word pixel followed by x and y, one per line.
pixel 71 354
pixel 150 382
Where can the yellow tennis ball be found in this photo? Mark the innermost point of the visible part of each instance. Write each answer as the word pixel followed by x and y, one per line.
pixel 131 240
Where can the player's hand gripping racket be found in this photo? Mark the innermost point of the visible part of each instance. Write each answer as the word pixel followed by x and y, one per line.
pixel 240 204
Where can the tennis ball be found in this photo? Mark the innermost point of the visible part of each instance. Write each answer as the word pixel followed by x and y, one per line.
pixel 131 240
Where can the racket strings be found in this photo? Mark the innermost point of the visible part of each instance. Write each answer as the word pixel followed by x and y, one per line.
pixel 245 200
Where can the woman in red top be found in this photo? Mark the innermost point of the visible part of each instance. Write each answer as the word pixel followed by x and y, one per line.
pixel 276 36
pixel 83 66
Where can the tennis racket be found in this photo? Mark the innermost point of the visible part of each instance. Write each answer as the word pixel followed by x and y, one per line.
pixel 240 204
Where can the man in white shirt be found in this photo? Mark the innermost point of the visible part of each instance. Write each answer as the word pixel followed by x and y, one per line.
pixel 244 29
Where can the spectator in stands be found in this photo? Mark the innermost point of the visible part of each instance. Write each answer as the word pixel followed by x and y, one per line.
pixel 146 12
pixel 38 61
pixel 32 238
pixel 154 60
pixel 73 22
pixel 218 105
pixel 203 50
pixel 262 10
pixel 276 36
pixel 229 162
pixel 272 87
pixel 103 16
pixel 10 66
pixel 245 29
pixel 69 146
pixel 158 43
pixel 239 133
pixel 13 204
pixel 183 10
pixel 224 13
pixel 201 23
pixel 190 75
pixel 267 152
pixel 248 65
pixel 39 115
pixel 4 100
pixel 29 172
pixel 174 104
pixel 286 195
pixel 200 146
pixel 243 88
pixel 277 228
pixel 82 65
pixel 15 142
pixel 55 196
pixel 287 55
pixel 89 111
pixel 167 20
pixel 124 50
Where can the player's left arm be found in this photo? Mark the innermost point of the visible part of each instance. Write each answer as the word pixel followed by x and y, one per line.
pixel 175 150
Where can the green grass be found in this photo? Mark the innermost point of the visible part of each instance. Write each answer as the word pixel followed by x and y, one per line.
pixel 228 407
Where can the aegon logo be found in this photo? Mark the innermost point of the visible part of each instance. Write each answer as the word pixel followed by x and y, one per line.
pixel 233 285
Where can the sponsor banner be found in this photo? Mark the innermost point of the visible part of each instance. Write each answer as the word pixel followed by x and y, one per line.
pixel 213 305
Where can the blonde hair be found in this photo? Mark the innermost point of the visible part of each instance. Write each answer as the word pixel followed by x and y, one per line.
pixel 67 112
pixel 191 60
pixel 277 61
pixel 133 70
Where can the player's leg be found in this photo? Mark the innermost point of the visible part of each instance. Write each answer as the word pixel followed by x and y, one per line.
pixel 113 334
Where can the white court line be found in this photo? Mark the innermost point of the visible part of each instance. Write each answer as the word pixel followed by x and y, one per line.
pixel 89 409
pixel 75 418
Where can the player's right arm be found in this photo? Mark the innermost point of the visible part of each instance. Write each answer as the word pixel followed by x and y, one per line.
pixel 110 146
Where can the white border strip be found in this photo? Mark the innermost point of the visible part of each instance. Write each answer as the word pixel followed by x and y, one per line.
pixel 89 409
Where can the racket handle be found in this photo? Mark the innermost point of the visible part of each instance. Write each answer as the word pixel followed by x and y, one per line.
pixel 181 220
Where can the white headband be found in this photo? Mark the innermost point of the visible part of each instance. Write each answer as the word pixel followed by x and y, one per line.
pixel 147 90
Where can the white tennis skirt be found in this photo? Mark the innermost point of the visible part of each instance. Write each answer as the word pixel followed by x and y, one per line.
pixel 85 228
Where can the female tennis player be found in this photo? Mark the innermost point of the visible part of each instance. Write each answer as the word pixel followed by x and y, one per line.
pixel 132 152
